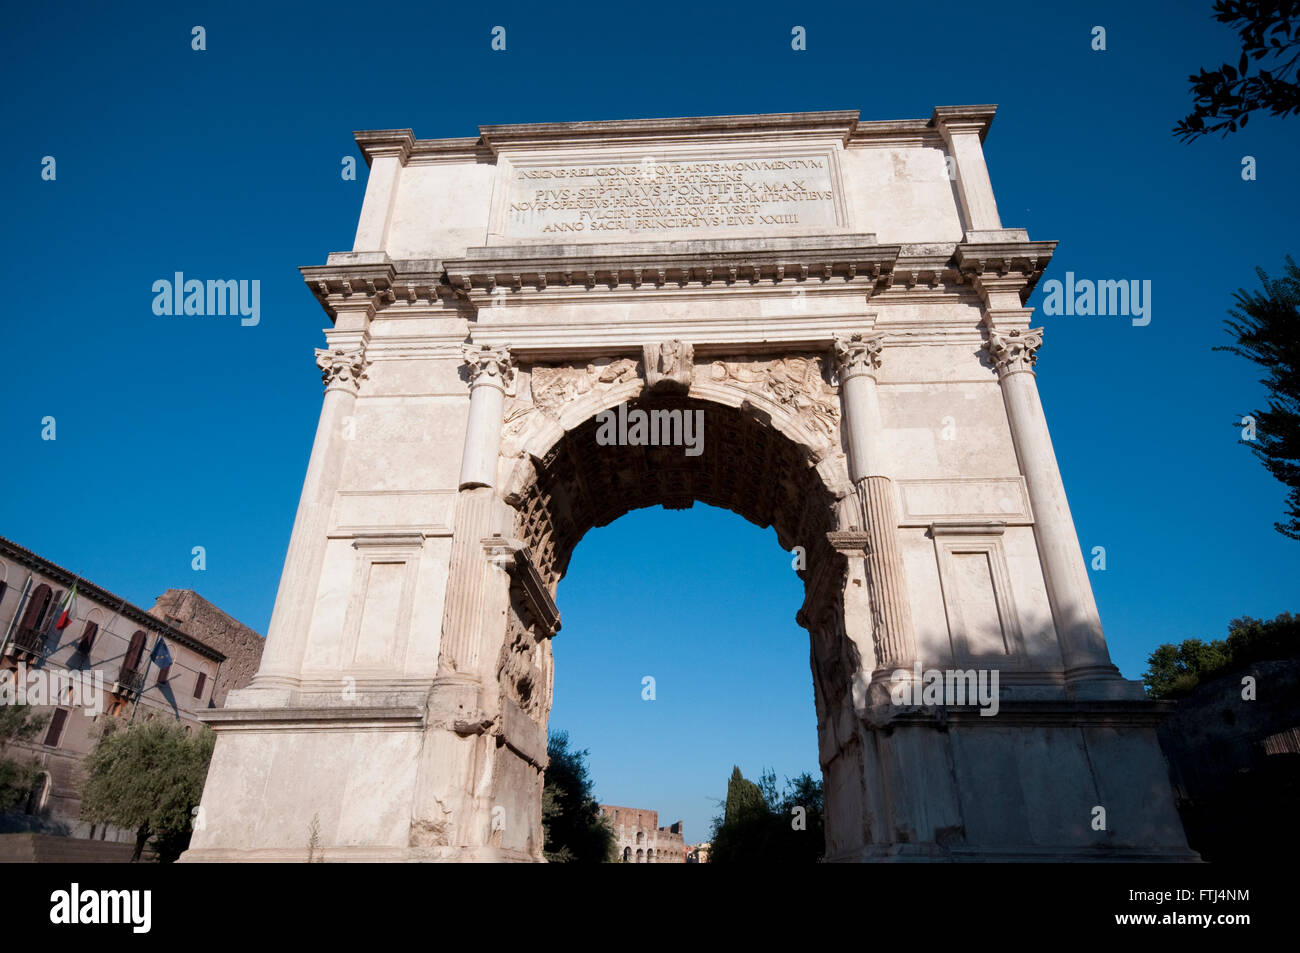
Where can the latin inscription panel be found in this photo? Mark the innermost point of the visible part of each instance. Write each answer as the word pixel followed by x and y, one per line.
pixel 656 198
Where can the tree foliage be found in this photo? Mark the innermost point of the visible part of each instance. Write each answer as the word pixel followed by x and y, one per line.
pixel 1173 671
pixel 147 777
pixel 761 825
pixel 1223 99
pixel 17 773
pixel 574 830
pixel 1266 326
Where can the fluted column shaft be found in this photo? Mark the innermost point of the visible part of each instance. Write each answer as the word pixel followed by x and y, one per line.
pixel 1069 591
pixel 491 374
pixel 858 358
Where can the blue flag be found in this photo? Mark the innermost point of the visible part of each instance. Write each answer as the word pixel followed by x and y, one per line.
pixel 161 657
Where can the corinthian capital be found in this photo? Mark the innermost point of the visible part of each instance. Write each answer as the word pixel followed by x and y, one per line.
pixel 342 366
pixel 490 365
pixel 1015 350
pixel 858 354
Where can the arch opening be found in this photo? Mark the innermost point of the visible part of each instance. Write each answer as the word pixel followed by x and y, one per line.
pixel 746 465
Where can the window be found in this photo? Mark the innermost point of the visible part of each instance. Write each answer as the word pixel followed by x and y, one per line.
pixel 36 608
pixel 163 674
pixel 87 641
pixel 198 684
pixel 55 733
pixel 131 661
pixel 3 588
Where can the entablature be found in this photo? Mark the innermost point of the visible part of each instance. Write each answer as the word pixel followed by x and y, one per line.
pixel 854 264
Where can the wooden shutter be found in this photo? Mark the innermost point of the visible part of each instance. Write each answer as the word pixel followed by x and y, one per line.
pixel 163 674
pixel 55 733
pixel 88 638
pixel 131 661
pixel 198 684
pixel 36 607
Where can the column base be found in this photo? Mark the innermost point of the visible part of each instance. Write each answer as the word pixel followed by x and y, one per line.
pixel 1102 682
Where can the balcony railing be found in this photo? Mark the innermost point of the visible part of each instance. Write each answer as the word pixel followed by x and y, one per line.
pixel 129 682
pixel 27 641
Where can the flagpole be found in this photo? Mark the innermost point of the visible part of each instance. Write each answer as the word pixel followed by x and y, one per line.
pixel 144 678
pixel 108 628
pixel 67 607
pixel 52 625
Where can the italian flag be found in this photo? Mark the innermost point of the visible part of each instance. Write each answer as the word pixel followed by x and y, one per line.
pixel 69 603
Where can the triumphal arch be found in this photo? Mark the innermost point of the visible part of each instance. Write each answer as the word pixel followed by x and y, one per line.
pixel 839 306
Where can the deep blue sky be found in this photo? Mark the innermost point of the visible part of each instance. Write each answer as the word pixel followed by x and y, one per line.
pixel 181 432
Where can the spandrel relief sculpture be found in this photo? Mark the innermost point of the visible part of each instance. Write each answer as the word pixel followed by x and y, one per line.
pixel 796 383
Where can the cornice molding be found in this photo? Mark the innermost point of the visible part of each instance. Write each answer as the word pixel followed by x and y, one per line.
pixel 369 281
pixel 385 142
pixel 1016 264
pixel 838 123
pixel 978 119
pixel 845 125
pixel 852 258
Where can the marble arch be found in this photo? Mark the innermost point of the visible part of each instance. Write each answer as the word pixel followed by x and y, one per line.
pixel 850 321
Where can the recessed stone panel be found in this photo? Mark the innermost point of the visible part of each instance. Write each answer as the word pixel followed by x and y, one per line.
pixel 604 197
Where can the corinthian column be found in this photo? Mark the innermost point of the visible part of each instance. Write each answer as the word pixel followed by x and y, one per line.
pixel 1074 610
pixel 491 373
pixel 343 367
pixel 456 753
pixel 858 359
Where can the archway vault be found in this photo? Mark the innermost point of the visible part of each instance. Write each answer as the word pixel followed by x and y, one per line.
pixel 745 464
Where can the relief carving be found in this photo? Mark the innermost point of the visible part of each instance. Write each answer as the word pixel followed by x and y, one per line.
pixel 553 387
pixel 795 383
pixel 669 366
pixel 522 668
pixel 516 416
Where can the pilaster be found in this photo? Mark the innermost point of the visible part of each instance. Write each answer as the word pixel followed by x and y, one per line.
pixel 343 366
